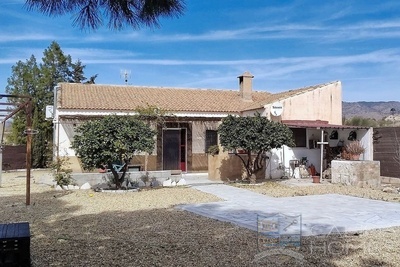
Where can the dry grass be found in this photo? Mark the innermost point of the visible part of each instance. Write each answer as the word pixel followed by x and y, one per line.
pixel 85 228
pixel 280 188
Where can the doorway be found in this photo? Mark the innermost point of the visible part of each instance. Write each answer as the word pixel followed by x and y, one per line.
pixel 174 149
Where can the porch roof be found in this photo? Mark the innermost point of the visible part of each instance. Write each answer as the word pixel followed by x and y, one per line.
pixel 319 124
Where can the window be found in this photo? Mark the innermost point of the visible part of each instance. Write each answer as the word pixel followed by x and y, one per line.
pixel 211 139
pixel 299 135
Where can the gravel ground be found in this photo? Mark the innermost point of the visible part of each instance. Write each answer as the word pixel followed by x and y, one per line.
pixel 85 228
pixel 303 187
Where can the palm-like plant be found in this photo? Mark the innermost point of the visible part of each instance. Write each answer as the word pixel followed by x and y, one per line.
pixel 355 148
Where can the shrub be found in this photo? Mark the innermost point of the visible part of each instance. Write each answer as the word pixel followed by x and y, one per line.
pixel 213 150
pixel 62 171
pixel 355 148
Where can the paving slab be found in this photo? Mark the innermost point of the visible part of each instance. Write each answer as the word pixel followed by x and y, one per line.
pixel 321 214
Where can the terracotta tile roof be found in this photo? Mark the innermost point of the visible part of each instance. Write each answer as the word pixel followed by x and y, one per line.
pixel 127 98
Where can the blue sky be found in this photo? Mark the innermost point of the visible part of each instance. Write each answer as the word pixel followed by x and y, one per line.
pixel 284 44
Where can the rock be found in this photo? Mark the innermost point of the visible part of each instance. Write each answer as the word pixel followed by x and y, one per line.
pixel 327 174
pixel 65 187
pixel 155 183
pixel 141 183
pixel 181 182
pixel 390 190
pixel 173 183
pixel 86 186
pixel 167 183
pixel 58 188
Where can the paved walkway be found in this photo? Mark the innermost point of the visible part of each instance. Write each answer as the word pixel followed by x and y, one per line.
pixel 321 214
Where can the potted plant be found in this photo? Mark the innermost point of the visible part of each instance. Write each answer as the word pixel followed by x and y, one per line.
pixel 316 179
pixel 354 149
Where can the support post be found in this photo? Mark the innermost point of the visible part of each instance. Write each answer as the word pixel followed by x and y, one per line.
pixel 28 150
pixel 322 143
pixel 2 125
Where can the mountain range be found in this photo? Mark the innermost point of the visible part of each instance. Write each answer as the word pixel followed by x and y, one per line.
pixel 373 110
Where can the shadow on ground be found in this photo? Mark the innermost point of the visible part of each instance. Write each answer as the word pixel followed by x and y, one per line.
pixel 63 236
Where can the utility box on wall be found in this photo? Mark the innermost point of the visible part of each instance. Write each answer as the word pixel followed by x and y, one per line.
pixel 362 173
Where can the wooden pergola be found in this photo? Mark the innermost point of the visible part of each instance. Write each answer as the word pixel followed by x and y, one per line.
pixel 20 102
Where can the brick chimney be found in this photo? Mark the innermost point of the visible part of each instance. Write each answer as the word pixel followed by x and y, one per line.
pixel 245 86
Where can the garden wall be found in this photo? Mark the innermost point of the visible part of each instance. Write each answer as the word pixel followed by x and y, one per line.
pixel 228 167
pixel 363 173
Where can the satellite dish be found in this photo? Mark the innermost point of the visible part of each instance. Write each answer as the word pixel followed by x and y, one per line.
pixel 276 109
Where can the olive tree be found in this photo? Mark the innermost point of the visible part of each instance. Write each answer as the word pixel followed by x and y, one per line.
pixel 255 135
pixel 112 139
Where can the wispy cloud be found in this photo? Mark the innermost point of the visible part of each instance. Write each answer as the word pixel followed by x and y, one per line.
pixel 333 33
pixel 303 63
pixel 21 37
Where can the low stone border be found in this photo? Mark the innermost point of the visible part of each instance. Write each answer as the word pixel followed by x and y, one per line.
pixel 140 184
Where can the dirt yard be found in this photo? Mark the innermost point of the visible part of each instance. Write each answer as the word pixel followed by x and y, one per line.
pixel 86 228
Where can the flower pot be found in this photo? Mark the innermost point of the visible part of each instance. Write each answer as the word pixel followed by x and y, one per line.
pixel 355 157
pixel 316 179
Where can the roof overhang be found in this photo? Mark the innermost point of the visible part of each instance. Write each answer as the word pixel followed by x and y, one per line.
pixel 318 124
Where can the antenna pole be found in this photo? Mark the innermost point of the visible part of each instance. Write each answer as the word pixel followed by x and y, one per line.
pixel 126 74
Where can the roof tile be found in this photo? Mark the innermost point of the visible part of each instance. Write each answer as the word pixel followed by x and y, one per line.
pixel 126 98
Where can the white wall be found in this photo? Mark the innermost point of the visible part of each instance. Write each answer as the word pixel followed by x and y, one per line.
pixel 199 135
pixel 279 158
pixel 279 163
pixel 324 103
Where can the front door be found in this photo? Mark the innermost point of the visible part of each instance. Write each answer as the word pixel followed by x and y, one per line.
pixel 174 149
pixel 171 149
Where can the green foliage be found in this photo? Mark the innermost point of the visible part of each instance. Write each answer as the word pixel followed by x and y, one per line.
pixel 256 135
pixel 112 139
pixel 151 113
pixel 62 171
pixel 38 81
pixel 213 150
pixel 90 14
pixel 367 122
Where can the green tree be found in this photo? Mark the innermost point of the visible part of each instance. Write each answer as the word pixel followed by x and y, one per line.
pixel 38 81
pixel 90 14
pixel 255 135
pixel 77 74
pixel 112 139
pixel 23 81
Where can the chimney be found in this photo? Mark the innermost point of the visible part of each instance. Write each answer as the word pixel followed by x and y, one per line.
pixel 245 85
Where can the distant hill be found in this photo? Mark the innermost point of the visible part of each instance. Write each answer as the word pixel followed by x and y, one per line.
pixel 373 110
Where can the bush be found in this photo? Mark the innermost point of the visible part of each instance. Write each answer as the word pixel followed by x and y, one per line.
pixel 213 150
pixel 355 148
pixel 62 171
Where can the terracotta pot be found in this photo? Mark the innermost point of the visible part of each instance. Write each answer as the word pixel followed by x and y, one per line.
pixel 316 179
pixel 355 156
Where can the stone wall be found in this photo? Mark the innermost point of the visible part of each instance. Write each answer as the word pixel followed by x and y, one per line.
pixel 357 173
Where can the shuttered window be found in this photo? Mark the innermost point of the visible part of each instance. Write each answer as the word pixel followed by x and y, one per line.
pixel 211 138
